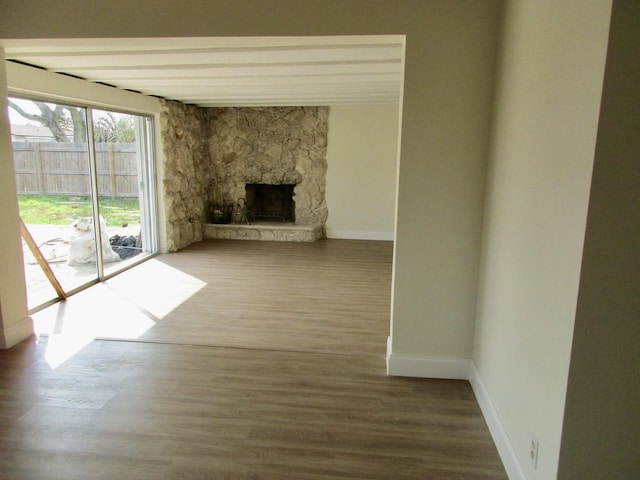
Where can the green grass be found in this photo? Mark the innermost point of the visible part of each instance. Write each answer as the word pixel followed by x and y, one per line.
pixel 63 209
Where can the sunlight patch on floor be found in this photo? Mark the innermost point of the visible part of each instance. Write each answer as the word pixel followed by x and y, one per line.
pixel 155 287
pixel 123 308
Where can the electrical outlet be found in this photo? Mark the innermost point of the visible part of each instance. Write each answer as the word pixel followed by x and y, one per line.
pixel 533 450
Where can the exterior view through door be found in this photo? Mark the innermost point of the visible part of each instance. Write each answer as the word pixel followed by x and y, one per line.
pixel 86 191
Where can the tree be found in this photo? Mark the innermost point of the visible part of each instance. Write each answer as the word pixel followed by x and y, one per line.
pixel 108 127
pixel 58 120
pixel 112 128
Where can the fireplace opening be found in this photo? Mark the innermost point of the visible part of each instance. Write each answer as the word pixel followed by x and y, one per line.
pixel 270 202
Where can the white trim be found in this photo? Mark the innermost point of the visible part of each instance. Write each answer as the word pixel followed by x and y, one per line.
pixel 16 333
pixel 133 43
pixel 33 82
pixel 358 235
pixel 407 366
pixel 500 436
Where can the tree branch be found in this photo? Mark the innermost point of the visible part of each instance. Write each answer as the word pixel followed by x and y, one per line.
pixel 28 116
pixel 48 118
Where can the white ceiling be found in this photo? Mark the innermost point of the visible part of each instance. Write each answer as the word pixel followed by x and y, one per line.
pixel 257 71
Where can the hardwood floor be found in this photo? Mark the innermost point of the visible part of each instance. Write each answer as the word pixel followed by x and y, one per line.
pixel 178 405
pixel 329 296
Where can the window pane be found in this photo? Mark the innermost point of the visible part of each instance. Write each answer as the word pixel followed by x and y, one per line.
pixel 124 188
pixel 53 183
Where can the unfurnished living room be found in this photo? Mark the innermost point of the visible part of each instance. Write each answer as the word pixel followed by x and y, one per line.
pixel 368 239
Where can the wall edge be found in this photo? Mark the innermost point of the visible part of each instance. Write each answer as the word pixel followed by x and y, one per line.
pixel 501 438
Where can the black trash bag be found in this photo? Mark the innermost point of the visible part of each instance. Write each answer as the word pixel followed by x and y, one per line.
pixel 126 246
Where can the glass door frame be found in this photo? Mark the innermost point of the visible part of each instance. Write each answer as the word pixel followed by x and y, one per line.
pixel 146 149
pixel 147 188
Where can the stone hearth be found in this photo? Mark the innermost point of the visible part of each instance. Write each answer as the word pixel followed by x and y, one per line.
pixel 271 231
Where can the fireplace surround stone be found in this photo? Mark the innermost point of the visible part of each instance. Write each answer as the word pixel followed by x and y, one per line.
pixel 271 146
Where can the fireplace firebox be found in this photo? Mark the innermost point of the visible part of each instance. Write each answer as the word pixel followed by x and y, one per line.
pixel 270 202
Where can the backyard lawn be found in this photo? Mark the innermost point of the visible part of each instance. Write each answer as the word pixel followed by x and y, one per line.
pixel 63 210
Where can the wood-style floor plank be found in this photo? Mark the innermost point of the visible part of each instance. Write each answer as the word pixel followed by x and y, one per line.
pixel 274 406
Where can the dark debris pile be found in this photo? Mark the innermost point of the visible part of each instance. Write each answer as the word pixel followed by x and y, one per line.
pixel 126 246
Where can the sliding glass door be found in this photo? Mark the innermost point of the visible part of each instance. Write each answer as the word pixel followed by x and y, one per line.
pixel 88 207
pixel 52 166
pixel 124 188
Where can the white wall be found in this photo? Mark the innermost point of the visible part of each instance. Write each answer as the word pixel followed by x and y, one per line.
pixel 546 118
pixel 362 166
pixel 14 323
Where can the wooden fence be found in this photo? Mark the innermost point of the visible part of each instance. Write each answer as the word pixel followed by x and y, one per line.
pixel 63 169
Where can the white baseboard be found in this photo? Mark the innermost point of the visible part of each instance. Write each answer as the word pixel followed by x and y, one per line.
pixel 407 366
pixel 500 436
pixel 358 235
pixel 16 333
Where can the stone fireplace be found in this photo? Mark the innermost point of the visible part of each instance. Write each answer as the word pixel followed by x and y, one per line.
pixel 211 154
pixel 272 158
